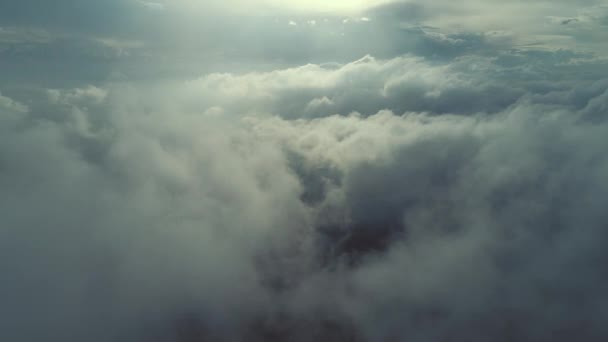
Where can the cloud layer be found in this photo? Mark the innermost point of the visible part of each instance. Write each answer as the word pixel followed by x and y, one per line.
pixel 125 219
pixel 299 175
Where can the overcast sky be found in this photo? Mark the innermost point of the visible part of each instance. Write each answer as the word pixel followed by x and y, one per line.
pixel 264 170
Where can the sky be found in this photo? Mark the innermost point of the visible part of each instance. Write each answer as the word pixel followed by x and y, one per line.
pixel 344 171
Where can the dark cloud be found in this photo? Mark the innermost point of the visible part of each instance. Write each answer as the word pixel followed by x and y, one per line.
pixel 568 21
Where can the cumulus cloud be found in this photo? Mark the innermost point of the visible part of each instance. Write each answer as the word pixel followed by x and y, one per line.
pixel 467 85
pixel 128 220
pixel 92 228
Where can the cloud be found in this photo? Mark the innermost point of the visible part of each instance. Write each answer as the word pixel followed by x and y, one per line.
pixel 526 22
pixel 12 106
pixel 141 213
pixel 468 85
pixel 97 41
pixel 91 228
pixel 185 171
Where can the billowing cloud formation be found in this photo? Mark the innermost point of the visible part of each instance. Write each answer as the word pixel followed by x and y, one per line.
pixel 396 174
pixel 128 215
pixel 468 85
